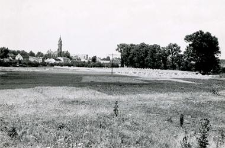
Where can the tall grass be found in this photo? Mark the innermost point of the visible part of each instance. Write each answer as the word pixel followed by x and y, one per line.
pixel 72 117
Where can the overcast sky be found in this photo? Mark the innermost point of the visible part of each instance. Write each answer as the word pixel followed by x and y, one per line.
pixel 95 27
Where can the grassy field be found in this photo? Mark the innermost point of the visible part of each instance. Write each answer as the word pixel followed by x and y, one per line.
pixel 76 109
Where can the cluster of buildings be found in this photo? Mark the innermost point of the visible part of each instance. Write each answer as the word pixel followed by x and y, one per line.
pixel 19 58
pixel 55 57
pixel 81 57
pixel 58 56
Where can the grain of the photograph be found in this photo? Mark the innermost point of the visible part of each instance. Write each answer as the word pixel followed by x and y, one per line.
pixel 112 74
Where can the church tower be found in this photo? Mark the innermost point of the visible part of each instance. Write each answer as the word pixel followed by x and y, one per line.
pixel 59 47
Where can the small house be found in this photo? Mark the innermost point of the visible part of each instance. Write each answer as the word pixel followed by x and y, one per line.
pixel 19 58
pixel 50 61
pixel 63 60
pixel 35 59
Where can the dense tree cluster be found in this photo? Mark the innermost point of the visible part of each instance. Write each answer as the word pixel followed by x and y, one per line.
pixel 200 55
pixel 150 56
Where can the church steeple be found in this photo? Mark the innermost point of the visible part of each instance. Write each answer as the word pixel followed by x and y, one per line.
pixel 60 47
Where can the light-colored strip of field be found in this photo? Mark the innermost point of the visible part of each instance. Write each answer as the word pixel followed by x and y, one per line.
pixel 114 79
pixel 24 68
pixel 145 73
pixel 47 101
pixel 168 79
pixel 50 97
pixel 72 101
pixel 163 74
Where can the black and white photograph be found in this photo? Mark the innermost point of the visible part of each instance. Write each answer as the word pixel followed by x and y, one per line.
pixel 112 74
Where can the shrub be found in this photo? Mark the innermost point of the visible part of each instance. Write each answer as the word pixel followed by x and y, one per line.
pixel 43 64
pixel 223 70
pixel 32 64
pixel 184 143
pixel 221 138
pixel 116 109
pixel 12 132
pixel 203 131
pixel 4 64
pixel 215 90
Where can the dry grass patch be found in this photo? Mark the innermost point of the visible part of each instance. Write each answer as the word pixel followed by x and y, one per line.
pixel 73 117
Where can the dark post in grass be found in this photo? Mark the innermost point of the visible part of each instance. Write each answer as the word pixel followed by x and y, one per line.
pixel 116 109
pixel 112 65
pixel 181 120
pixel 112 62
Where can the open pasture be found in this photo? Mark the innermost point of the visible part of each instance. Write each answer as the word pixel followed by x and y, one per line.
pixel 75 108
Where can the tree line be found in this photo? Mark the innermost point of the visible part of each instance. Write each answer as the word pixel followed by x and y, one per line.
pixel 4 53
pixel 201 54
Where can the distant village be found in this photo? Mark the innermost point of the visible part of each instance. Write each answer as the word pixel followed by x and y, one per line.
pixel 55 58
pixel 60 57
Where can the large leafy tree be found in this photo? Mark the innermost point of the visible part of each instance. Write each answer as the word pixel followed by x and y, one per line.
pixel 4 52
pixel 49 54
pixel 14 52
pixel 23 53
pixel 139 54
pixel 154 57
pixel 126 56
pixel 31 53
pixel 94 59
pixel 39 54
pixel 203 50
pixel 173 51
pixel 66 54
pixel 164 57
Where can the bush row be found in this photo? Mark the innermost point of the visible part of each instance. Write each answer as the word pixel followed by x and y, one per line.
pixel 36 64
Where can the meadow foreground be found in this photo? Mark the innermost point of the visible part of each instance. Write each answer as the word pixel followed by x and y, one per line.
pixel 41 110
